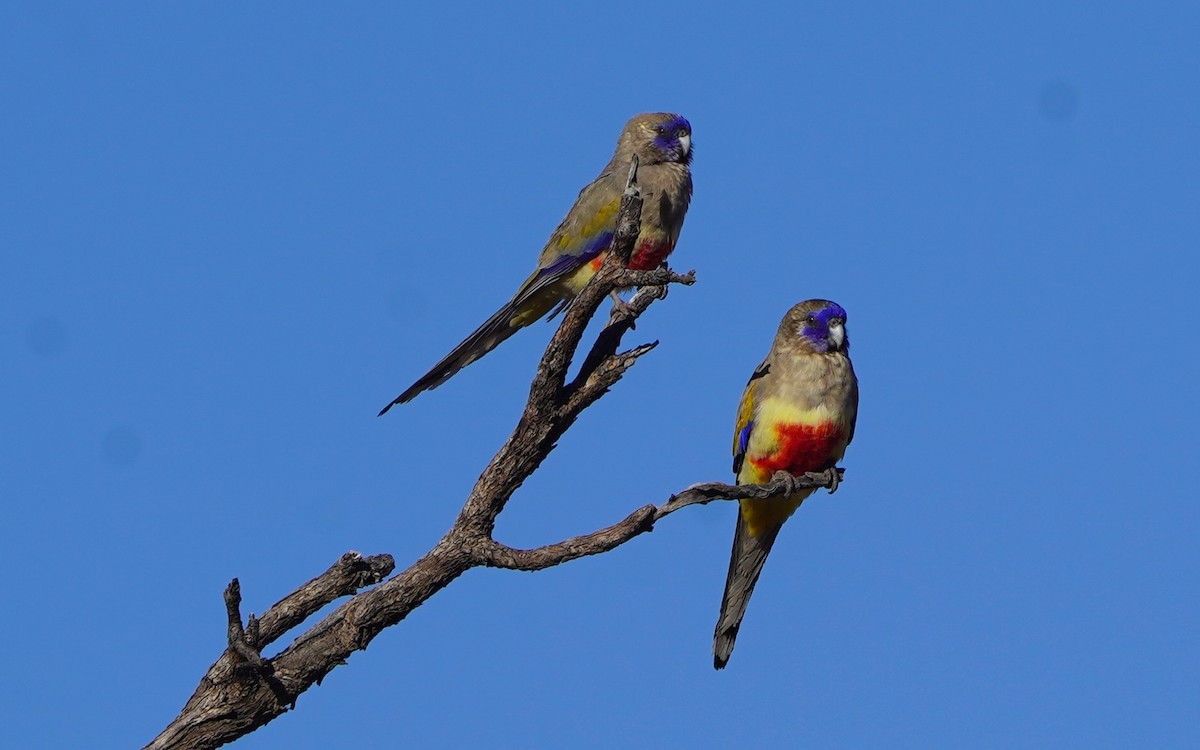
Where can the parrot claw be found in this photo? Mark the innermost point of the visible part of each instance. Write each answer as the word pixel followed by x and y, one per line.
pixel 831 477
pixel 666 287
pixel 835 479
pixel 622 309
pixel 787 480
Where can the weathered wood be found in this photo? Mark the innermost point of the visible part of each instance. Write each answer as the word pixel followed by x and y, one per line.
pixel 243 691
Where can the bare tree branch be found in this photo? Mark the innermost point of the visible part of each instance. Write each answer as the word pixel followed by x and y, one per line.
pixel 242 691
pixel 350 573
pixel 498 555
pixel 781 485
pixel 643 519
pixel 239 643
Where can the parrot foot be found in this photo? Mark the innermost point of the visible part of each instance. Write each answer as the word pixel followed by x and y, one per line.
pixel 832 473
pixel 835 479
pixel 622 309
pixel 667 287
pixel 787 480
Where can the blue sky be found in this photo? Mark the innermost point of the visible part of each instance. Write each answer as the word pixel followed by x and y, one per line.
pixel 230 234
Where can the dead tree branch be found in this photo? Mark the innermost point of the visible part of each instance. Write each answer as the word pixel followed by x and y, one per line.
pixel 243 691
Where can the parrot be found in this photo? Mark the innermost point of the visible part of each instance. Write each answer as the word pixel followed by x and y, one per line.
pixel 797 415
pixel 576 249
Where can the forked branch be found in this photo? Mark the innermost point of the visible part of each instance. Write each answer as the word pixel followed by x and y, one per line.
pixel 243 691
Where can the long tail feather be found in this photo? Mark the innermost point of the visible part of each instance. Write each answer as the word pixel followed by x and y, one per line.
pixel 745 565
pixel 484 339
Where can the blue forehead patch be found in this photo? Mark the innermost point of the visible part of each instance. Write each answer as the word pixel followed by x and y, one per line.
pixel 830 311
pixel 679 123
pixel 671 137
pixel 819 332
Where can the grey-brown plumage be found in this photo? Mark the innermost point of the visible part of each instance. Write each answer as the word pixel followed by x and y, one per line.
pixel 745 566
pixel 797 415
pixel 663 145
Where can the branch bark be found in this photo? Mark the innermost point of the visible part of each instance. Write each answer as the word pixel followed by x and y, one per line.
pixel 243 691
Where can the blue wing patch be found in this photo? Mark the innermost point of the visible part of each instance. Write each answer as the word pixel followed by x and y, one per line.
pixel 743 440
pixel 744 437
pixel 563 263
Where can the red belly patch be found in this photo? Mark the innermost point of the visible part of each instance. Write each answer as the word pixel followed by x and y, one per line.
pixel 803 448
pixel 650 254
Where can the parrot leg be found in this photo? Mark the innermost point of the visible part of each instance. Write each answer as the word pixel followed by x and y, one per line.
pixel 621 309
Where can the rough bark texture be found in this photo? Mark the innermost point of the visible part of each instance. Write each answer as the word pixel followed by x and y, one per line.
pixel 242 691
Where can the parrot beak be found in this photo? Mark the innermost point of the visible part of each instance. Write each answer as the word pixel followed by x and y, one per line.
pixel 837 334
pixel 685 142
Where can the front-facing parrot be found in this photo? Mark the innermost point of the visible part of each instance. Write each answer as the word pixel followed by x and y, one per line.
pixel 797 415
pixel 663 144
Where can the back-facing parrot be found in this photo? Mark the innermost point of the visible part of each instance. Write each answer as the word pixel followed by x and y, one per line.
pixel 663 144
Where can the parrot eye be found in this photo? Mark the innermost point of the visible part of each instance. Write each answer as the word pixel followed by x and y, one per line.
pixel 661 130
pixel 810 319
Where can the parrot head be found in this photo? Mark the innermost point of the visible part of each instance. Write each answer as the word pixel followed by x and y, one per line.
pixel 656 138
pixel 817 325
